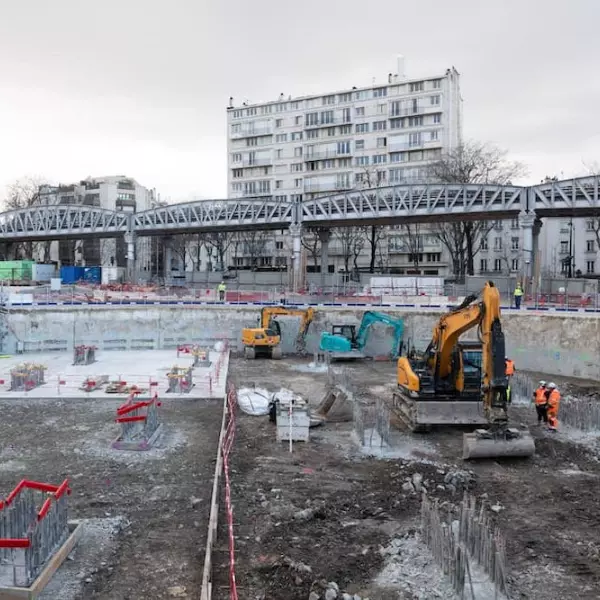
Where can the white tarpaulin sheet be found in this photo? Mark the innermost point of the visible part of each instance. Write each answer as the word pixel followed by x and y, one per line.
pixel 254 401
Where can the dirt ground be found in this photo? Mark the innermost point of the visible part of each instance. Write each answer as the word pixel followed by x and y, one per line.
pixel 358 504
pixel 145 513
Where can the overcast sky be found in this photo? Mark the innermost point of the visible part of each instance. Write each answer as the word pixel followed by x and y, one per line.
pixel 140 87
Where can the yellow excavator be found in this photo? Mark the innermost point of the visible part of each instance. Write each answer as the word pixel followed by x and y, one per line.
pixel 265 340
pixel 463 383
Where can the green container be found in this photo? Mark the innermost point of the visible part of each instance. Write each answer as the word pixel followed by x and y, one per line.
pixel 16 270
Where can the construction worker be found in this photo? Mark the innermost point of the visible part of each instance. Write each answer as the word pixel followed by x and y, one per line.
pixel 553 400
pixel 540 400
pixel 509 367
pixel 222 289
pixel 518 294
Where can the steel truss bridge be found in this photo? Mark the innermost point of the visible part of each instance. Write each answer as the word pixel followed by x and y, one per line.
pixel 578 197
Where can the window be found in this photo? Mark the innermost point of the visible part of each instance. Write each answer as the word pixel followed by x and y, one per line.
pixel 416 86
pixel 236 158
pixel 345 129
pixel 328 100
pixel 297 183
pixel 396 175
pixel 345 98
pixel 498 243
pixel 362 161
pixel 359 145
pixel 590 264
pixel 415 121
pixel 590 246
pixel 433 135
pixel 483 265
pixel 514 223
pixel 278 245
pixel 326 117
pixel 237 114
pixel 296 167
pixel 343 147
pixel 437 118
pixel 312 134
pixel 279 153
pixel 252 142
pixel 312 119
pixel 297 120
pixel 379 126
pixel 278 122
pixel 434 100
pixel 297 105
pixel 278 184
pixel 238 173
pixel 433 256
pixel 380 93
pixel 379 159
pixel 564 247
pixel 381 109
pixel 281 138
pixel 344 162
pixel 264 187
pixel 436 84
pixel 381 142
pixel 346 115
pixel 497 265
pixel 250 112
pixel 298 151
pixel 360 111
pixel 265 110
pixel 331 132
pixel 498 225
pixel 590 225
pixel 329 163
pixel 237 128
pixel 414 139
pixel 396 109
pixel 514 264
pixel 514 243
pixel 296 136
pixel 281 107
pixel 362 128
pixel 484 243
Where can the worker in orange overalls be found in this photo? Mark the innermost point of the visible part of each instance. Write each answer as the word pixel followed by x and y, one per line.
pixel 541 403
pixel 509 371
pixel 553 399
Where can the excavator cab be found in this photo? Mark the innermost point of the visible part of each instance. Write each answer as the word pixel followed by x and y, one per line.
pixel 347 331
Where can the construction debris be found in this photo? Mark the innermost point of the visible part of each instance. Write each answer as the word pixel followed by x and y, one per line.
pixel 26 377
pixel 92 384
pixel 200 355
pixel 121 387
pixel 84 355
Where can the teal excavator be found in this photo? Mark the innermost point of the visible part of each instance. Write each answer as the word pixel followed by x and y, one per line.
pixel 346 343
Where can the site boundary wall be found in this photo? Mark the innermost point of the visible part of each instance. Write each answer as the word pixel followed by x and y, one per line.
pixel 226 439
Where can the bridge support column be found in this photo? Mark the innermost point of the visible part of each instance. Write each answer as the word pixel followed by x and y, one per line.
pixel 527 221
pixel 536 257
pixel 130 242
pixel 296 233
pixel 167 258
pixel 324 237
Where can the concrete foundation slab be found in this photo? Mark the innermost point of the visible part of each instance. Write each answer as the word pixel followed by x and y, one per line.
pixel 145 369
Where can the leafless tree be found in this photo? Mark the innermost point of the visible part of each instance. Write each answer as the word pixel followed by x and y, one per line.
pixel 352 241
pixel 475 163
pixel 414 242
pixel 25 193
pixel 219 242
pixel 312 243
pixel 255 245
pixel 371 178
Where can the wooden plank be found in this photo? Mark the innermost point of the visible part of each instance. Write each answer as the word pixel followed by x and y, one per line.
pixel 36 588
pixel 206 592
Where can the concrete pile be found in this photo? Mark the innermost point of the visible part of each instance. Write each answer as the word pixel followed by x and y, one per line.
pixel 26 377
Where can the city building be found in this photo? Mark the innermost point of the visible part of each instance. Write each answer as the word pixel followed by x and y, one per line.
pixel 118 193
pixel 382 134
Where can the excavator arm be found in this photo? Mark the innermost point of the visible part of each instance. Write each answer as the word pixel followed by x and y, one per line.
pixel 371 317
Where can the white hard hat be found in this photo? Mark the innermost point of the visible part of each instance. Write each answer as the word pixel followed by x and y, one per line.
pixel 551 385
pixel 542 383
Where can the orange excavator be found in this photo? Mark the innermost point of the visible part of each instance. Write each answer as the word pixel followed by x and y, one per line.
pixel 463 383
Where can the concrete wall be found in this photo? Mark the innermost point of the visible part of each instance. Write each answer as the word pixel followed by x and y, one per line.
pixel 567 345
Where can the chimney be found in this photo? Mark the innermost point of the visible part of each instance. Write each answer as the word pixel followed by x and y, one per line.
pixel 400 67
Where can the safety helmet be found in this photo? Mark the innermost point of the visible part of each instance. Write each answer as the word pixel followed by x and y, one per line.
pixel 543 383
pixel 551 385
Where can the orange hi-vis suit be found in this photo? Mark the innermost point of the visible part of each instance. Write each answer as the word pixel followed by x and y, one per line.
pixel 553 405
pixel 509 369
pixel 539 397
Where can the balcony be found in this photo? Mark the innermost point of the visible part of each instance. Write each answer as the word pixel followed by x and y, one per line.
pixel 412 112
pixel 328 123
pixel 256 162
pixel 125 185
pixel 326 154
pixel 256 131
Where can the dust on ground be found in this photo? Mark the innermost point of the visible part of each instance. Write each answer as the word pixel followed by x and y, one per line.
pixel 327 512
pixel 145 514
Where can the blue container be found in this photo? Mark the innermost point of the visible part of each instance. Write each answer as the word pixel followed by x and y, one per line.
pixel 71 274
pixel 93 275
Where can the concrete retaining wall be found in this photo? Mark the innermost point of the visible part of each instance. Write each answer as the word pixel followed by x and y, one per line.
pixel 567 344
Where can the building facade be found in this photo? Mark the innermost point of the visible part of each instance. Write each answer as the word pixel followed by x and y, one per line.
pixel 365 137
pixel 118 193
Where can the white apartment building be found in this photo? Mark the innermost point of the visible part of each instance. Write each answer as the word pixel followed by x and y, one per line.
pixel 118 193
pixel 382 134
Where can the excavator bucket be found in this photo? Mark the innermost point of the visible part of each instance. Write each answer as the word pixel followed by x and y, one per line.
pixel 511 444
pixel 335 407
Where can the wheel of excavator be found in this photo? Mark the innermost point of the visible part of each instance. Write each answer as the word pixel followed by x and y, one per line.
pixel 249 353
pixel 277 354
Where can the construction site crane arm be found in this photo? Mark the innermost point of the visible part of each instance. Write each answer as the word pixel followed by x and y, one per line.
pixel 268 312
pixel 371 317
